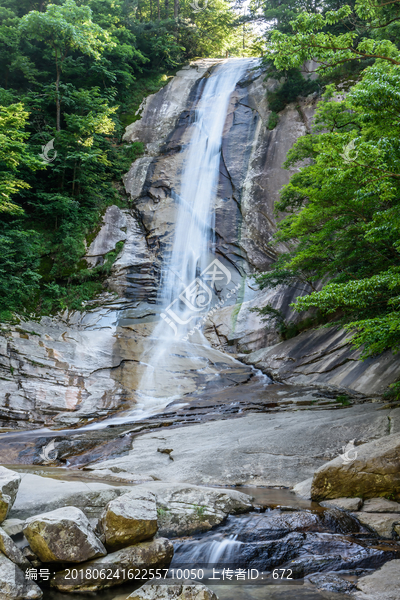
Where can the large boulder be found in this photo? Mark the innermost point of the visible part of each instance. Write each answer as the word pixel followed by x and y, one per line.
pixel 373 471
pixel 153 591
pixel 129 519
pixel 384 584
pixel 14 585
pixel 63 535
pixel 116 568
pixel 184 509
pixel 11 550
pixel 9 484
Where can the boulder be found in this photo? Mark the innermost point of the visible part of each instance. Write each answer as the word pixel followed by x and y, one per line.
pixel 344 503
pixel 63 535
pixel 14 585
pixel 374 471
pixel 303 489
pixel 381 523
pixel 9 484
pixel 156 554
pixel 13 526
pixel 377 505
pixel 11 550
pixel 331 583
pixel 129 519
pixel 42 494
pixel 184 509
pixel 153 591
pixel 383 584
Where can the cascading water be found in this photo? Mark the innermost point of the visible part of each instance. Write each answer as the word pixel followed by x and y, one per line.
pixel 184 294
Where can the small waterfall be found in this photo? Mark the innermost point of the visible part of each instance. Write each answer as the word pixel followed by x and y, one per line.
pixel 219 550
pixel 191 270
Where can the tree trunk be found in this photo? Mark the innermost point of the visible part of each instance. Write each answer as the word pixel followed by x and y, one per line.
pixel 166 8
pixel 58 103
pixel 176 9
pixel 158 10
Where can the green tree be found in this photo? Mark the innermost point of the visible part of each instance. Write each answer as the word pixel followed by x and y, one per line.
pixel 341 211
pixel 65 29
pixel 14 152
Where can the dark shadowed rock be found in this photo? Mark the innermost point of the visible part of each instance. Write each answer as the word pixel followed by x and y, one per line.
pixel 11 550
pixel 13 585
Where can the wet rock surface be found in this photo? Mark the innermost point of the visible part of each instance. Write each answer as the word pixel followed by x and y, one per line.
pixel 270 449
pixel 305 542
pixel 332 583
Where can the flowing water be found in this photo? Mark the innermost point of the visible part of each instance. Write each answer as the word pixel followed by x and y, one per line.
pixel 191 272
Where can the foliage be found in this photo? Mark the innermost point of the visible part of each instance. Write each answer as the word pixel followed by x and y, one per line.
pixel 73 74
pixel 273 120
pixel 13 151
pixel 342 208
pixel 293 86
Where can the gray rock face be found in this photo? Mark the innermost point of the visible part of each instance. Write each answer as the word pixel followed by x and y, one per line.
pixel 173 592
pixel 42 494
pixel 344 503
pixel 9 484
pixel 13 584
pixel 259 449
pixel 381 505
pixel 129 519
pixel 374 471
pixel 384 524
pixel 63 535
pixel 384 584
pixel 303 489
pixel 9 549
pixel 184 509
pixel 156 554
pixel 325 357
pixel 112 231
pixel 13 526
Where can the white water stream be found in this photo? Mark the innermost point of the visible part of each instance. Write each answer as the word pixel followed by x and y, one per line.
pixel 191 270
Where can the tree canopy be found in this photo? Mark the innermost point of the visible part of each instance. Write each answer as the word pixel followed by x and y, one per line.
pixel 341 209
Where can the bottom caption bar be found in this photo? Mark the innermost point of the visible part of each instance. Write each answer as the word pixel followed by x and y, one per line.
pixel 229 574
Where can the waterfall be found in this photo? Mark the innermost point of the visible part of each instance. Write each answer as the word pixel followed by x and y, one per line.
pixel 191 270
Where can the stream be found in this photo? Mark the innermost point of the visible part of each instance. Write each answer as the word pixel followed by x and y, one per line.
pixel 284 531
